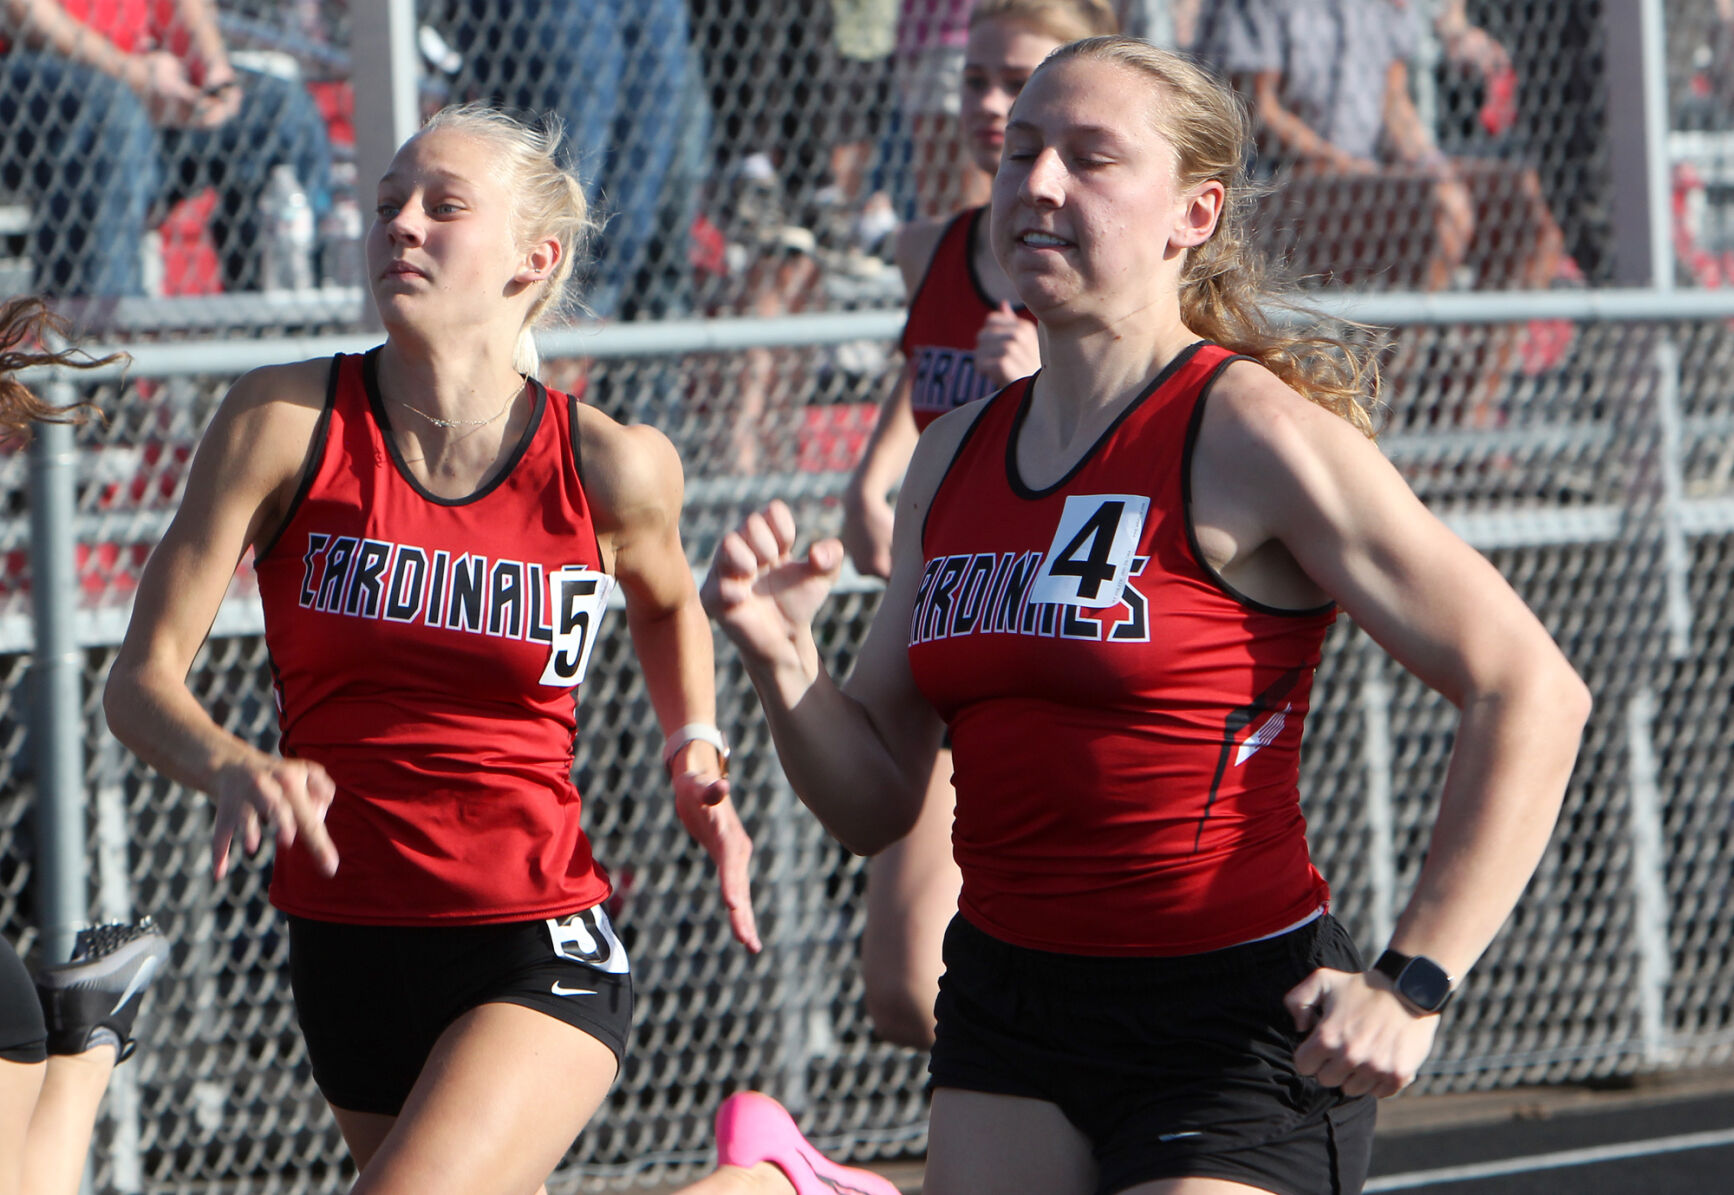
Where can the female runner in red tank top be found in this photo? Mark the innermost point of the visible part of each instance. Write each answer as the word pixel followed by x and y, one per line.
pixel 436 536
pixel 966 336
pixel 1111 583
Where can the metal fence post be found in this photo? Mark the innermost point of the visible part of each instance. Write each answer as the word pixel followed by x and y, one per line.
pixel 1652 941
pixel 58 670
pixel 1376 760
pixel 1638 142
pixel 384 70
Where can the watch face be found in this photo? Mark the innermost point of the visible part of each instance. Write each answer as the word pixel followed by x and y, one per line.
pixel 1424 984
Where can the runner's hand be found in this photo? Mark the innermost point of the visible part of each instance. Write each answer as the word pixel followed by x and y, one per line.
pixel 1361 1036
pixel 1007 347
pixel 161 82
pixel 219 98
pixel 763 595
pixel 288 797
pixel 701 798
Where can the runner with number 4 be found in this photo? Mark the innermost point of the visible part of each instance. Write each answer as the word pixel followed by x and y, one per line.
pixel 1111 583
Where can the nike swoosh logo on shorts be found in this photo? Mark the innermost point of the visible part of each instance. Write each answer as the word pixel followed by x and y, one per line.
pixel 1179 1136
pixel 560 990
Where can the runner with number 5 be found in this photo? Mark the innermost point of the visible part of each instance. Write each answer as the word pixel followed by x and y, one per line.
pixel 436 536
pixel 1111 582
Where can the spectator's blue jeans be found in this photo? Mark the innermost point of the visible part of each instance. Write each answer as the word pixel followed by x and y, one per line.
pixel 78 143
pixel 617 72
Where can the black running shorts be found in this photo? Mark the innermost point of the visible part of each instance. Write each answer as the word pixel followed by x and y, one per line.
pixel 1171 1067
pixel 23 1035
pixel 372 1000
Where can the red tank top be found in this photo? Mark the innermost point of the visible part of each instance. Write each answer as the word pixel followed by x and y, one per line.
pixel 126 23
pixel 945 316
pixel 1125 730
pixel 425 651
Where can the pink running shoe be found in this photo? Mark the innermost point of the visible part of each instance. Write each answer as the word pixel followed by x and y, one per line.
pixel 751 1127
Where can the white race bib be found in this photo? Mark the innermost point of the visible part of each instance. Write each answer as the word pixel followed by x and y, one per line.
pixel 577 599
pixel 1090 559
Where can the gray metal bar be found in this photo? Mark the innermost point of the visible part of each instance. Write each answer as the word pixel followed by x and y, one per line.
pixel 122 1106
pixel 719 335
pixel 1629 162
pixel 1615 304
pixel 1658 170
pixel 384 71
pixel 1377 754
pixel 674 337
pixel 1670 464
pixel 57 670
pixel 1648 859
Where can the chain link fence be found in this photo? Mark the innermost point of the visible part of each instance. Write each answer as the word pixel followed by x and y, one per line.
pixel 1570 496
pixel 750 155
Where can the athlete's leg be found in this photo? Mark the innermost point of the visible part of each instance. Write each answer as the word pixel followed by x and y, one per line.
pixel 20 1083
pixel 763 1179
pixel 982 1144
pixel 911 897
pixel 364 1132
pixel 500 1100
pixel 63 1119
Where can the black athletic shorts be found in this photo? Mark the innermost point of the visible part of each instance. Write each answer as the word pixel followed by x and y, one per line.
pixel 1171 1067
pixel 23 1035
pixel 373 999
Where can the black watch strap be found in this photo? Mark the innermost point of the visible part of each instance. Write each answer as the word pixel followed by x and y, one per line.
pixel 1420 981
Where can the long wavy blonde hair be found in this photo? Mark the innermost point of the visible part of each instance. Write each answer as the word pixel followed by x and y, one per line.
pixel 1227 290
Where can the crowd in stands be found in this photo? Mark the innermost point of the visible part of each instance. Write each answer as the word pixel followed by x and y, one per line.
pixel 716 134
pixel 753 159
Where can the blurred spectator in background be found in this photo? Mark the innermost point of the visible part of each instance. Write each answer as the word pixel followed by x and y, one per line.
pixel 1366 195
pixel 619 73
pixel 931 35
pixel 802 94
pixel 852 216
pixel 1558 116
pixel 112 111
pixel 1171 24
pixel 1701 64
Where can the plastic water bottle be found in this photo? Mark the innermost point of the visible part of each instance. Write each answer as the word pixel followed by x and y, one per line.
pixel 289 235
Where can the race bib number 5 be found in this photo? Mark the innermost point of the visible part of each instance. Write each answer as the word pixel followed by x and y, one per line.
pixel 1090 560
pixel 577 598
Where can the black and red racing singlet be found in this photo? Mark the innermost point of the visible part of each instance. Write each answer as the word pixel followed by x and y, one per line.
pixel 945 317
pixel 425 652
pixel 1125 729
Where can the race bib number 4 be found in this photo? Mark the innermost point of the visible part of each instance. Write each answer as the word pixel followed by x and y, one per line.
pixel 577 598
pixel 1090 560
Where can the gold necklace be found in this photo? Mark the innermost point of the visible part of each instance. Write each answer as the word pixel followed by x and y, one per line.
pixel 438 422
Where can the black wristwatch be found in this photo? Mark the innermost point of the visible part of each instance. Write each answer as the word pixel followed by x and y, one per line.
pixel 1420 981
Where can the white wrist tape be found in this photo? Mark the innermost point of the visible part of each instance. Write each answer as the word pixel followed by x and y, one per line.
pixel 696 732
